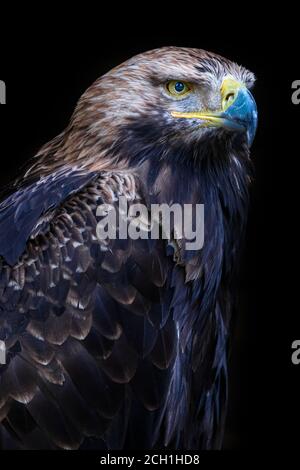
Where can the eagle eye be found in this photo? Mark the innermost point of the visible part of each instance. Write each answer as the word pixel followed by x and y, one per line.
pixel 177 88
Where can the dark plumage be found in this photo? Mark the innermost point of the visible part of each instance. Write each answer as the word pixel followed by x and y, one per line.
pixel 124 345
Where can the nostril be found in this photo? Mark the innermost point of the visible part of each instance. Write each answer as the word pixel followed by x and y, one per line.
pixel 230 97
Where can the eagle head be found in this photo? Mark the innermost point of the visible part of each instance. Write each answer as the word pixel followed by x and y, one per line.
pixel 165 102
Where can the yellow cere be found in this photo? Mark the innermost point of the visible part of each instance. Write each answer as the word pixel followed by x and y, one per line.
pixel 229 91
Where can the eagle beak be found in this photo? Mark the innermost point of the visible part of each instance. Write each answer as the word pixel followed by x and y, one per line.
pixel 238 113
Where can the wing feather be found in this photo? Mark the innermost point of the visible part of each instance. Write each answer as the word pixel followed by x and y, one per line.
pixel 92 329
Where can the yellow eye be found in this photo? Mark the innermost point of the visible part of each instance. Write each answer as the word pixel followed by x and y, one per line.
pixel 177 88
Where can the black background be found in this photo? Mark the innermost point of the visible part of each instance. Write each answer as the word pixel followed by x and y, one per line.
pixel 48 61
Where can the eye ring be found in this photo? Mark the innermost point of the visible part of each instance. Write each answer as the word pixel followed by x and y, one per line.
pixel 178 88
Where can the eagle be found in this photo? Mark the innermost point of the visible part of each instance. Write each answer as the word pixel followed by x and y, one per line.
pixel 123 343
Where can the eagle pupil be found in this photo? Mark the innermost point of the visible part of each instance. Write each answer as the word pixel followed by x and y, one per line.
pixel 179 86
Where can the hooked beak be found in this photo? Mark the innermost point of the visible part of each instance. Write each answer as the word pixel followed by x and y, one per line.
pixel 238 113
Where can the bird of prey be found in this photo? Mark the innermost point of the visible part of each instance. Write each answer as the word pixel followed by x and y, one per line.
pixel 122 343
